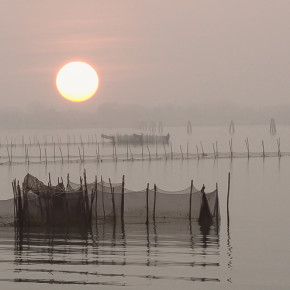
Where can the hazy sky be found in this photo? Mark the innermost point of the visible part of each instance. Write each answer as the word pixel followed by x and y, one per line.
pixel 147 52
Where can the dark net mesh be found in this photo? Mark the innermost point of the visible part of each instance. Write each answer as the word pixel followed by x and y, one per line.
pixel 83 202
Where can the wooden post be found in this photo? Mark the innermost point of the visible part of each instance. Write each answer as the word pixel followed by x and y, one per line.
pixel 83 201
pixel 213 151
pixel 87 207
pixel 39 151
pixel 49 179
pixel 113 200
pixel 20 208
pixel 11 152
pixel 263 148
pixel 54 151
pixel 127 152
pixel 149 153
pixel 190 199
pixel 113 147
pixel 147 204
pixel 67 185
pixel 248 146
pixel 27 155
pixel 131 153
pixel 8 155
pixel 197 152
pixel 217 206
pixel 216 147
pixel 181 152
pixel 80 154
pixel 171 153
pixel 231 147
pixel 116 157
pixel 14 200
pixel 156 156
pixel 61 154
pixel 45 156
pixel 103 202
pixel 123 198
pixel 154 206
pixel 165 151
pixel 202 149
pixel 278 148
pixel 187 150
pixel 93 194
pixel 228 198
pixel 96 196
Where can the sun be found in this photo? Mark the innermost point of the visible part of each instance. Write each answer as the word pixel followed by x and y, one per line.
pixel 77 81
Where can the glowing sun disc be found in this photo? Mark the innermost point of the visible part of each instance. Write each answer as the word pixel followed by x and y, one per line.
pixel 77 81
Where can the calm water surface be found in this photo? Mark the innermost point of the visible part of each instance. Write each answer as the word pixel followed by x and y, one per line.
pixel 253 252
pixel 162 256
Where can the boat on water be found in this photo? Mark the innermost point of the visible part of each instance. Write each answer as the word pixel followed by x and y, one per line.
pixel 137 139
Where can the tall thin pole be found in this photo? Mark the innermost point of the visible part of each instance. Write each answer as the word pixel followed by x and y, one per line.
pixel 216 147
pixel 190 199
pixel 147 204
pixel 123 198
pixel 149 153
pixel 165 151
pixel 217 206
pixel 154 206
pixel 127 151
pixel 263 148
pixel 113 200
pixel 181 152
pixel 61 154
pixel 228 198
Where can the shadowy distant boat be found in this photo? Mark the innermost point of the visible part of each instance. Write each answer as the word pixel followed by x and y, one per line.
pixel 137 139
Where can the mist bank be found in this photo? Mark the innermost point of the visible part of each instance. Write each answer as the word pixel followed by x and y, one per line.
pixel 120 115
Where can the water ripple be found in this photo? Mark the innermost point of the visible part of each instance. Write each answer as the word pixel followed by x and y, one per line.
pixel 108 256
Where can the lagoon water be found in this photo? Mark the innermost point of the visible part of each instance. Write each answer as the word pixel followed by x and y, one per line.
pixel 252 252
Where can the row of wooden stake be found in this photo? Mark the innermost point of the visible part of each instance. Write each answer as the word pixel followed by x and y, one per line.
pixel 129 154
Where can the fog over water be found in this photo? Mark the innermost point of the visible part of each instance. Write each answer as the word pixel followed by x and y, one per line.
pixel 113 115
pixel 207 62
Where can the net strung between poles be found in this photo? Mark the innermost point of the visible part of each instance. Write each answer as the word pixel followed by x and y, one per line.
pixel 82 203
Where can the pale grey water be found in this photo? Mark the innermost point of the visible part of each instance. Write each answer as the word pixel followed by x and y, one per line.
pixel 253 253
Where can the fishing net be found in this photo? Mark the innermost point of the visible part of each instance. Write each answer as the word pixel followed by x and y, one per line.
pixel 83 202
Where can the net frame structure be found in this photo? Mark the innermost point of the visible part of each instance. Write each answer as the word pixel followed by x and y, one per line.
pixel 84 203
